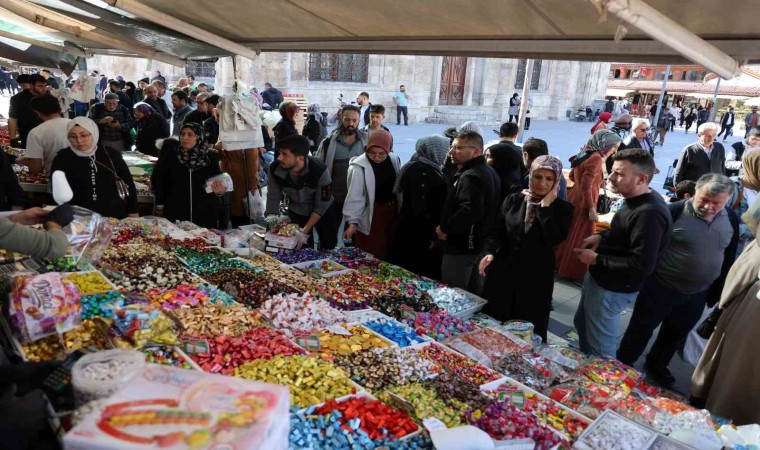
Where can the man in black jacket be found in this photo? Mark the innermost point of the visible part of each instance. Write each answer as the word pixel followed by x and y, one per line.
pixel 727 123
pixel 272 96
pixel 701 157
pixel 735 153
pixel 469 211
pixel 621 258
pixel 689 275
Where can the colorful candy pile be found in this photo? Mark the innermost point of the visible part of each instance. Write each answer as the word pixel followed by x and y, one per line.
pixel 399 333
pixel 321 268
pixel 459 365
pixel 101 305
pixel 345 340
pixel 311 380
pixel 299 256
pixel 375 418
pixel 424 401
pixel 438 324
pixel 169 356
pixel 504 422
pixel 379 368
pixel 300 312
pixel 217 320
pixel 226 353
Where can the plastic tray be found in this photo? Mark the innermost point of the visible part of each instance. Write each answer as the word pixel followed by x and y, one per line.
pixel 581 443
pixel 501 378
pixel 340 270
pixel 467 313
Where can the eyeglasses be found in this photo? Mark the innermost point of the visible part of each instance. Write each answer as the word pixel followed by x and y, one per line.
pixel 641 129
pixel 458 148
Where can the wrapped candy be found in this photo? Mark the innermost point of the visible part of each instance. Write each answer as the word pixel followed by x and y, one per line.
pixel 586 397
pixel 144 324
pixel 610 372
pixel 44 305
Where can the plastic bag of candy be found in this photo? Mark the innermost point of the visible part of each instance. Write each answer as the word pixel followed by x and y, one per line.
pixel 610 372
pixel 146 325
pixel 495 343
pixel 89 235
pixel 542 371
pixel 586 397
pixel 564 356
pixel 469 350
pixel 43 305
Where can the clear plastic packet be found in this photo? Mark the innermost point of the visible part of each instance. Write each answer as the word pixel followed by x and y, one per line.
pixel 146 325
pixel 98 375
pixel 610 372
pixel 538 368
pixel 495 342
pixel 564 356
pixel 470 351
pixel 89 235
pixel 586 397
pixel 43 305
pixel 223 177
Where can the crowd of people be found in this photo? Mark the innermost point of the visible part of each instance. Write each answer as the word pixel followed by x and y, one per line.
pixel 499 221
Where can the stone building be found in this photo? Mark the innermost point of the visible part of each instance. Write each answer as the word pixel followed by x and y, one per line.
pixel 443 89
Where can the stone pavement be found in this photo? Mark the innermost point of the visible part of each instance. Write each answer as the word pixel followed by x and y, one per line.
pixel 564 139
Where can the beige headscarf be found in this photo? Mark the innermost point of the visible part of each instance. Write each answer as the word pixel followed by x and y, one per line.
pixel 88 125
pixel 751 165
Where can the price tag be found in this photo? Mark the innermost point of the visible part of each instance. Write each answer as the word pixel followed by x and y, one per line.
pixel 433 424
pixel 338 329
pixel 192 346
pixel 310 342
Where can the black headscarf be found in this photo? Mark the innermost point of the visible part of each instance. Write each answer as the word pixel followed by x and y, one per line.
pixel 196 157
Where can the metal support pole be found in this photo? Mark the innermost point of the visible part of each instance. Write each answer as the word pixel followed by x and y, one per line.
pixel 658 105
pixel 524 102
pixel 714 110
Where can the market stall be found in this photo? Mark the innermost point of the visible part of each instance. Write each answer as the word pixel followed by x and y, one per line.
pixel 150 314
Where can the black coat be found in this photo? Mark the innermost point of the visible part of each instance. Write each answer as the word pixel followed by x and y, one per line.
pixel 11 193
pixel 272 96
pixel 182 190
pixel 160 106
pixel 520 280
pixel 155 127
pixel 79 171
pixel 470 207
pixel 423 193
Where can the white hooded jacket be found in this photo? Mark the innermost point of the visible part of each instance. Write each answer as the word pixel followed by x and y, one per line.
pixel 360 199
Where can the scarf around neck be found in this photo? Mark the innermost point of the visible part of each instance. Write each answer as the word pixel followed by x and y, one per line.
pixel 196 157
pixel 533 201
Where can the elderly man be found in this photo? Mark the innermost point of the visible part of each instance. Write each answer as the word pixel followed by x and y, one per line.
pixel 124 99
pixel 701 157
pixel 114 122
pixel 162 92
pixel 690 273
pixel 156 102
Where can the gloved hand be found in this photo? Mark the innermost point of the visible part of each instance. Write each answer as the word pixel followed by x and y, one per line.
pixel 301 238
pixel 62 215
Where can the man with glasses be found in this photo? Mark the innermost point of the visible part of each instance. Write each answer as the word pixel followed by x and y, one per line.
pixel 468 213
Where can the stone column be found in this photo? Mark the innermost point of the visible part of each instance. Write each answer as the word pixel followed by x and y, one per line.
pixel 469 79
pixel 436 81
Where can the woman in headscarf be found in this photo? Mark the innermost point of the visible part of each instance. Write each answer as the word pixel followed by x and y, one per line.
pixel 370 209
pixel 315 128
pixel 514 107
pixel 747 187
pixel 150 127
pixel 726 375
pixel 180 176
pixel 421 190
pixel 601 124
pixel 131 90
pixel 98 176
pixel 521 247
pixel 587 175
pixel 287 125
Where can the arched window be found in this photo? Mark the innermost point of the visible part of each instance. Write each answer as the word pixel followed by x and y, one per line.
pixel 346 68
pixel 535 76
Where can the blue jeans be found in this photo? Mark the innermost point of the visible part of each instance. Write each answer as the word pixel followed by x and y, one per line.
pixel 597 319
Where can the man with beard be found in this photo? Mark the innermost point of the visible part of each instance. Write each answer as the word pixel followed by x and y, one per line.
pixel 304 180
pixel 21 118
pixel 621 258
pixel 115 87
pixel 114 122
pixel 157 103
pixel 201 113
pixel 336 151
pixel 690 274
pixel 181 110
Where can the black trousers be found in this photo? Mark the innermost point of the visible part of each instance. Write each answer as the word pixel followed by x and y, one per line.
pixel 727 130
pixel 328 226
pixel 527 123
pixel 674 312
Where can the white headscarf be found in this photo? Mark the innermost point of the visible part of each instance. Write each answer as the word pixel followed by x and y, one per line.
pixel 470 126
pixel 90 126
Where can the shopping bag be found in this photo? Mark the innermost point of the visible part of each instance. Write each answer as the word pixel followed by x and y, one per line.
pixel 670 179
pixel 255 204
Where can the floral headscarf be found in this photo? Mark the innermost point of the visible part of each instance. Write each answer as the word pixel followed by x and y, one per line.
pixel 196 157
pixel 545 162
pixel 314 109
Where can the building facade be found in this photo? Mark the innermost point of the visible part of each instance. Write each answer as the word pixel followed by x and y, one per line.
pixel 448 89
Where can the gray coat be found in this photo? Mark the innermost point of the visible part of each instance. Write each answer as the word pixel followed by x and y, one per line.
pixel 694 162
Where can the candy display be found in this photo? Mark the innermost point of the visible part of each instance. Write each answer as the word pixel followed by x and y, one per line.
pixel 459 365
pixel 438 324
pixel 345 340
pixel 378 368
pixel 89 283
pixel 101 305
pixel 217 320
pixel 169 356
pixel 614 432
pixel 352 337
pixel 311 380
pixel 504 421
pixel 175 408
pixel 399 333
pixel 374 417
pixel 226 353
